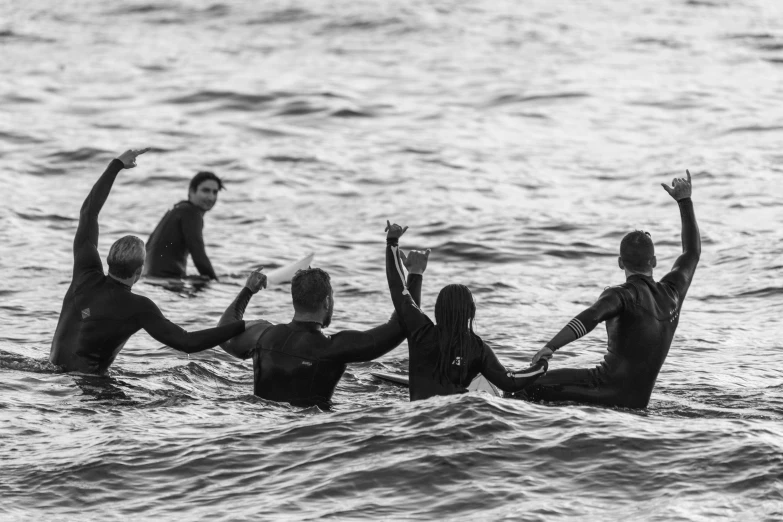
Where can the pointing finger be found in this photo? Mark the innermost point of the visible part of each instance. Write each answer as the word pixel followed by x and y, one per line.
pixel 689 175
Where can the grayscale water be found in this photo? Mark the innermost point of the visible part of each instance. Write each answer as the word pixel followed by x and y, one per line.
pixel 518 139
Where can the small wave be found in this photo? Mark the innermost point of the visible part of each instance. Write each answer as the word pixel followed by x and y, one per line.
pixel 755 128
pixel 24 139
pixel 286 16
pixel 283 158
pixel 12 361
pixel 299 108
pixel 82 154
pixel 506 99
pixel 230 99
pixel 359 24
pixel 10 35
pixel 669 44
pixel 350 113
pixel 44 217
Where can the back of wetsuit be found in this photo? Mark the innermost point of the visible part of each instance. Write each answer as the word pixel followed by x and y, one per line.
pixel 639 338
pixel 288 365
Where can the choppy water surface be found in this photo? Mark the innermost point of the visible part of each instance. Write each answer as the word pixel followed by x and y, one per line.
pixel 518 140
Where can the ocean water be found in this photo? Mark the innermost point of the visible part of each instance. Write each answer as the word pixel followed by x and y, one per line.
pixel 518 140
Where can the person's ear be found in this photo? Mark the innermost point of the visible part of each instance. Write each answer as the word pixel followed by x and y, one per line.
pixel 620 263
pixel 653 262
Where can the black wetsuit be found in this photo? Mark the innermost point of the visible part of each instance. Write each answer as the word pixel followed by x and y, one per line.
pixel 641 318
pixel 424 347
pixel 297 363
pixel 99 313
pixel 179 232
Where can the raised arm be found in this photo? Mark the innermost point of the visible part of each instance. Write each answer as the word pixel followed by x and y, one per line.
pixel 609 304
pixel 193 230
pixel 85 243
pixel 352 346
pixel 242 345
pixel 684 267
pixel 405 304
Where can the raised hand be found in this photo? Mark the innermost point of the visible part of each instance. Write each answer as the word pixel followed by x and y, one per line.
pixel 394 231
pixel 681 187
pixel 256 281
pixel 544 353
pixel 416 260
pixel 128 158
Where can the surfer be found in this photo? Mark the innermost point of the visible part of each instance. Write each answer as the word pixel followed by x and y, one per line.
pixel 180 232
pixel 641 317
pixel 445 357
pixel 100 312
pixel 296 362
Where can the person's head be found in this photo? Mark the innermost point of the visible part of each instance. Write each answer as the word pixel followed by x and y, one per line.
pixel 637 253
pixel 203 190
pixel 311 291
pixel 126 258
pixel 455 310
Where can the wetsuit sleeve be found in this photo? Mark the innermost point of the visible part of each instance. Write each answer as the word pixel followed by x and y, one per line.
pixel 193 230
pixel 354 346
pixel 168 333
pixel 242 345
pixel 410 315
pixel 684 267
pixel 504 379
pixel 85 243
pixel 608 305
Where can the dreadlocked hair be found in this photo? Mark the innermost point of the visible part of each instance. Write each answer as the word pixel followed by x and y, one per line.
pixel 454 313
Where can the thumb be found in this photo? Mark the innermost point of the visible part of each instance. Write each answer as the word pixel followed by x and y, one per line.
pixel 427 253
pixel 668 189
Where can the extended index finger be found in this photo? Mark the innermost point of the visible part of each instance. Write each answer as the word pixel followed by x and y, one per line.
pixel 688 172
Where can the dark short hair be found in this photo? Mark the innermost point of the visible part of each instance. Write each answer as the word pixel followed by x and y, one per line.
pixel 126 256
pixel 309 288
pixel 637 250
pixel 203 176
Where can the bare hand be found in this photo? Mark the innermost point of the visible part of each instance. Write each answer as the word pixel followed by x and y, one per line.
pixel 416 260
pixel 544 353
pixel 256 281
pixel 395 231
pixel 128 158
pixel 681 187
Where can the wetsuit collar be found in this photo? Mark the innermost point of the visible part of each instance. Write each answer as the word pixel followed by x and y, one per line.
pixel 118 282
pixel 640 276
pixel 307 325
pixel 201 210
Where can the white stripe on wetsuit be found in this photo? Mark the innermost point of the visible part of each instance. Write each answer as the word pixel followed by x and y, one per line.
pixel 398 266
pixel 577 327
pixel 522 375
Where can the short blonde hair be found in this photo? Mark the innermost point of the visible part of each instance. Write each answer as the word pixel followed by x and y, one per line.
pixel 126 257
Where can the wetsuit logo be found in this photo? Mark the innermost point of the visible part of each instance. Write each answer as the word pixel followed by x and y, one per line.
pixel 457 362
pixel 85 313
pixel 306 363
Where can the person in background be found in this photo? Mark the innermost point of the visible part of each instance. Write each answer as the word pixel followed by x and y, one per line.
pixel 99 311
pixel 641 317
pixel 180 232
pixel 447 356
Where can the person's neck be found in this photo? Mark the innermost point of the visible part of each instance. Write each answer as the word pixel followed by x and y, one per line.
pixel 127 282
pixel 629 273
pixel 309 318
